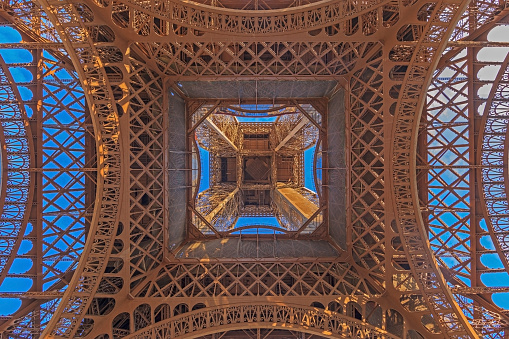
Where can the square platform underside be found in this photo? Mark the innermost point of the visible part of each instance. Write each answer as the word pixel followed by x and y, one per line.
pixel 236 248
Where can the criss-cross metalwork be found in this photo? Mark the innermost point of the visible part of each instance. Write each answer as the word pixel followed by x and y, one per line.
pixel 106 233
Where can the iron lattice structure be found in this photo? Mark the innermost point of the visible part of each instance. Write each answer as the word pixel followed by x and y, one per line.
pixel 95 176
pixel 256 169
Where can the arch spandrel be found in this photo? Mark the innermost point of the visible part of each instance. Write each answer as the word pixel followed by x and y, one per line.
pixel 17 157
pixel 108 172
pixel 131 272
pixel 290 317
pixel 57 217
pixel 213 18
pixel 456 77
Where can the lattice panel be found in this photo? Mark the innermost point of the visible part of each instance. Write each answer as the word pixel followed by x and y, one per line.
pixel 257 279
pixel 104 115
pixel 450 170
pixel 56 231
pixel 386 86
pixel 209 199
pixel 228 125
pixel 32 20
pixel 64 129
pixel 448 130
pixel 192 60
pixel 147 174
pixel 489 324
pixel 446 315
pixel 218 207
pixel 367 168
pixel 33 323
pixel 211 141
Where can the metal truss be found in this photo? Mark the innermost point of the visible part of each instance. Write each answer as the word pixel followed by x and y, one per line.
pixel 215 128
pixel 86 161
pixel 318 322
pixel 49 173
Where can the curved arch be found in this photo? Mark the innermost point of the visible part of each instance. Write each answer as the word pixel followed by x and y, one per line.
pixel 56 107
pixel 210 18
pixel 454 83
pixel 256 226
pixel 423 264
pixel 17 182
pixel 196 153
pixel 103 111
pixel 318 154
pixel 494 160
pixel 240 316
pixel 239 109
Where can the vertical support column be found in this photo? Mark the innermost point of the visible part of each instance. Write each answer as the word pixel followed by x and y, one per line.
pixel 91 160
pixel 179 161
pixel 335 167
pixel 473 159
pixel 422 160
pixel 36 124
pixel 324 171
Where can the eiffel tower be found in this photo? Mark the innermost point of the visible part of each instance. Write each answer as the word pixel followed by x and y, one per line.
pixel 254 169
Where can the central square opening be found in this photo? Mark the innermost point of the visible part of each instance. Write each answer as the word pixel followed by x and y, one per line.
pixel 253 169
pixel 263 165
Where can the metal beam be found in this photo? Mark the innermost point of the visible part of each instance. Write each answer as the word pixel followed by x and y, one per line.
pixel 466 43
pixel 48 295
pixel 221 205
pixel 292 133
pixel 223 136
pixel 479 290
pixel 32 45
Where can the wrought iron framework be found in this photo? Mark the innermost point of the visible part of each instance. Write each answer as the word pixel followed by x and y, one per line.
pixel 88 201
pixel 232 145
